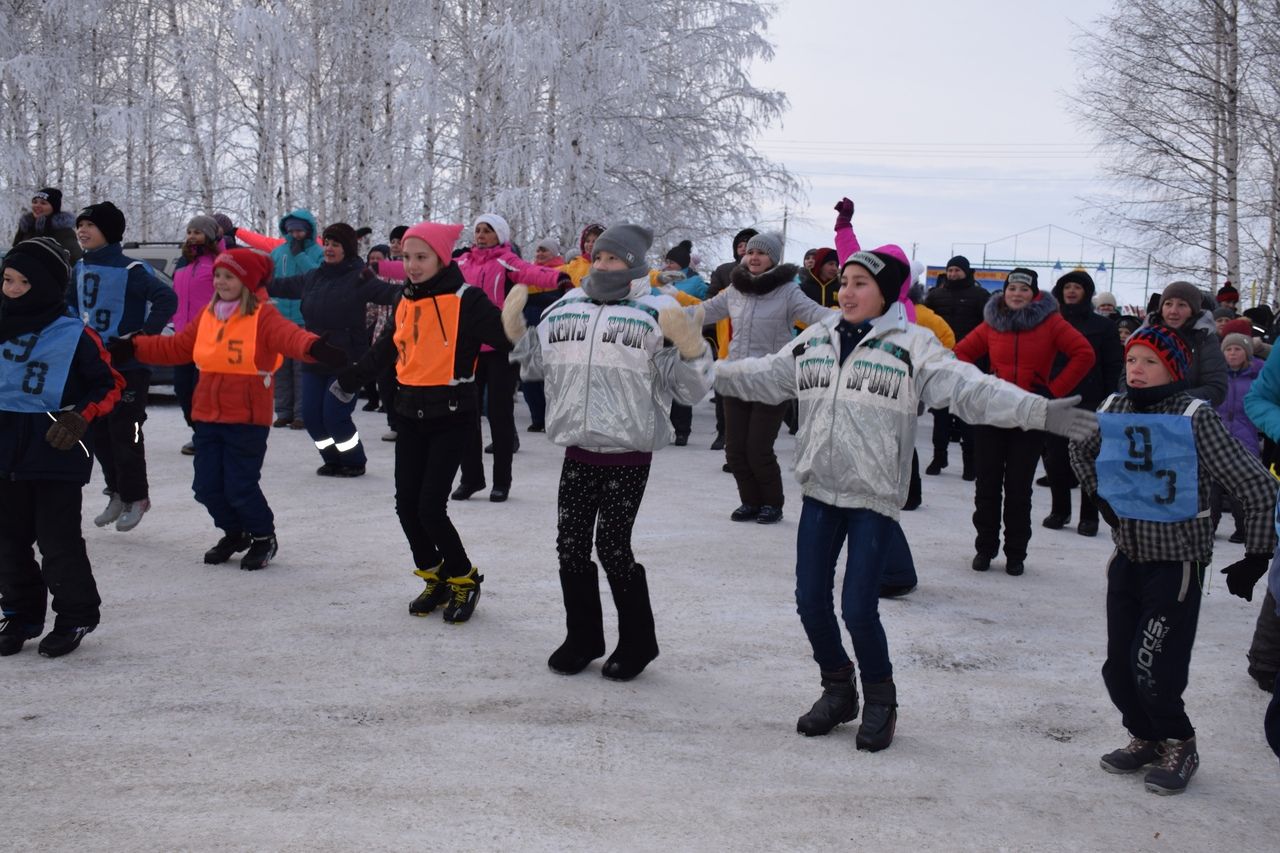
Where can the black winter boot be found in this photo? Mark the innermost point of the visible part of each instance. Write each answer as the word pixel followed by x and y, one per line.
pixel 260 552
pixel 637 645
pixel 14 633
pixel 937 464
pixel 879 716
pixel 231 543
pixel 837 704
pixel 584 639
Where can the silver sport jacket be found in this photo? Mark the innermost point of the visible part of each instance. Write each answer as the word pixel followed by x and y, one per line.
pixel 858 419
pixel 609 376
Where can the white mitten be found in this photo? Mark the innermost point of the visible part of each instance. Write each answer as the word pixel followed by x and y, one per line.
pixel 684 329
pixel 513 313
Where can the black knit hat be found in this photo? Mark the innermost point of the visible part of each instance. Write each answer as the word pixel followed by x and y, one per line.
pixel 43 262
pixel 681 254
pixel 962 262
pixel 888 271
pixel 743 236
pixel 107 217
pixel 345 236
pixel 397 233
pixel 51 195
pixel 1022 275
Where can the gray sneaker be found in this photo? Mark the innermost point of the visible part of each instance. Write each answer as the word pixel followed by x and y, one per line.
pixel 114 507
pixel 132 514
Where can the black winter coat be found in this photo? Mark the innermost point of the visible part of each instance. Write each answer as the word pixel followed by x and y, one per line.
pixel 960 303
pixel 60 226
pixel 1104 376
pixel 479 322
pixel 334 297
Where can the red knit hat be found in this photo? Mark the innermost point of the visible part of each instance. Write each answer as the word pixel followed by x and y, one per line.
pixel 440 237
pixel 1238 326
pixel 253 268
pixel 1168 346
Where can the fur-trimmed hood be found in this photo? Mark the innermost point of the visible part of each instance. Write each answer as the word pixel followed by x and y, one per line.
pixel 769 280
pixel 998 316
pixel 28 224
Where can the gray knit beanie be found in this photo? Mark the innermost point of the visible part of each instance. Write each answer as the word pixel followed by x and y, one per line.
pixel 770 244
pixel 628 242
pixel 206 225
pixel 1236 339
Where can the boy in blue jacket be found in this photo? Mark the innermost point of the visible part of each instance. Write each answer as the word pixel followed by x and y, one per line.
pixel 1151 466
pixel 116 296
pixel 55 380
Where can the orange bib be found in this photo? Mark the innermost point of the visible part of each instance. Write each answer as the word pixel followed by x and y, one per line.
pixel 229 346
pixel 426 340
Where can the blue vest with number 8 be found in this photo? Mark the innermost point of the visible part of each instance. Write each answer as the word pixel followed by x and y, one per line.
pixel 1147 466
pixel 34 367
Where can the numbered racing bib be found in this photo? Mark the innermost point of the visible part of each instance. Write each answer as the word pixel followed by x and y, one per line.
pixel 230 346
pixel 34 367
pixel 1147 466
pixel 100 292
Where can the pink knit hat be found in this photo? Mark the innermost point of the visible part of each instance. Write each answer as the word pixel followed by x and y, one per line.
pixel 440 237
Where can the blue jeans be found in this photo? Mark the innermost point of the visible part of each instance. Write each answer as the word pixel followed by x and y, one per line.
pixel 875 542
pixel 228 468
pixel 329 422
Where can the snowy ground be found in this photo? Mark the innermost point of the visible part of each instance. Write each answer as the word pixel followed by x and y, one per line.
pixel 302 708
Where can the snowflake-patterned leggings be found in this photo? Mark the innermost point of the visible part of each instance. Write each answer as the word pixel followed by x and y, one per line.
pixel 613 494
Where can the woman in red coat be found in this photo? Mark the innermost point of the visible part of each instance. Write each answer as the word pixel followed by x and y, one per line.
pixel 1021 333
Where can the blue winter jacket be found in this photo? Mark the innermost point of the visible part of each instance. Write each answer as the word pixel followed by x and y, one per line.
pixel 287 263
pixel 1262 403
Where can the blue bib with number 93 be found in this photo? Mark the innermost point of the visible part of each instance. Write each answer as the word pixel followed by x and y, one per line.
pixel 1147 466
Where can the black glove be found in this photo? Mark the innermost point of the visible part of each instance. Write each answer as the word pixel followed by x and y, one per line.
pixel 66 430
pixel 328 354
pixel 369 273
pixel 1242 576
pixel 1104 509
pixel 121 350
pixel 349 380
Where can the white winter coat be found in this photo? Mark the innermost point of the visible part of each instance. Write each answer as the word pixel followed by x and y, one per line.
pixel 609 377
pixel 763 309
pixel 858 419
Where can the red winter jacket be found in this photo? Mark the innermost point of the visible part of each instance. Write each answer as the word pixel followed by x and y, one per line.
pixel 233 398
pixel 1022 345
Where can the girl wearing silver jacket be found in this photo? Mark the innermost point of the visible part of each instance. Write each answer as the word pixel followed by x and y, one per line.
pixel 860 375
pixel 610 379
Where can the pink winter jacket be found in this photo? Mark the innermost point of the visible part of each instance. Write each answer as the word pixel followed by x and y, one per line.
pixel 194 285
pixel 847 243
pixel 483 268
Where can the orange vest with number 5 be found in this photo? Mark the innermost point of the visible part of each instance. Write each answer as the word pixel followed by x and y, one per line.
pixel 229 346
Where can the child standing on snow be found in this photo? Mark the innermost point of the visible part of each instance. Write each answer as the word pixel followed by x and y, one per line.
pixel 433 338
pixel 236 344
pixel 1150 468
pixel 115 295
pixel 50 363
pixel 609 383
pixel 860 374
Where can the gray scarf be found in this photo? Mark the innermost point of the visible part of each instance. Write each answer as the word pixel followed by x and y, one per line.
pixel 613 286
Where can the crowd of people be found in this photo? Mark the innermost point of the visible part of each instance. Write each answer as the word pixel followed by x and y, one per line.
pixel 1164 424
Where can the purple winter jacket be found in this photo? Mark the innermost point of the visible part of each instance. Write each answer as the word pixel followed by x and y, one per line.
pixel 1231 409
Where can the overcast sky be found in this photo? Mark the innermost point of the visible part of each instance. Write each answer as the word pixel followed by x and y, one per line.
pixel 948 123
